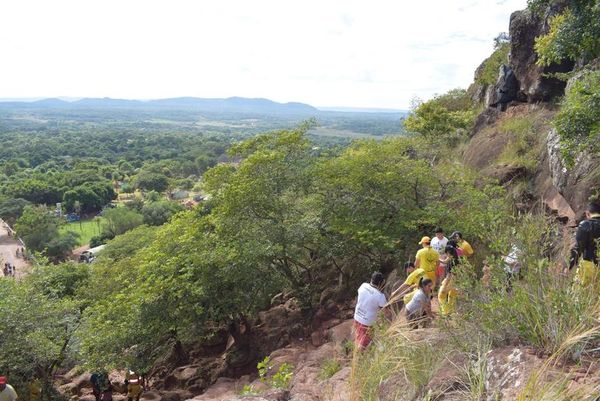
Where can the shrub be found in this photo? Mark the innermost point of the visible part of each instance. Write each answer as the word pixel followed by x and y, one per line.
pixel 578 122
pixel 489 73
pixel 330 367
pixel 281 379
pixel 446 116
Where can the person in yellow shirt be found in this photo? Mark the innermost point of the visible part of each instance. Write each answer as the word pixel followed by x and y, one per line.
pixel 447 294
pixel 427 259
pixel 466 248
pixel 409 286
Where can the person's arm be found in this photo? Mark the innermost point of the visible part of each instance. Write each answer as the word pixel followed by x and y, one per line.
pixel 400 292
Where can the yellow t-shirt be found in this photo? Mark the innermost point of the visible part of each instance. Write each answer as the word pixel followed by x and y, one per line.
pixel 428 260
pixel 414 277
pixel 466 247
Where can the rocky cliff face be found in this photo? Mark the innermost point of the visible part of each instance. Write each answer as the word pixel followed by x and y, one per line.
pixel 536 84
pixel 563 190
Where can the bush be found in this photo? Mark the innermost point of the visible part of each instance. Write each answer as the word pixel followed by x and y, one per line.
pixel 489 73
pixel 447 116
pixel 578 122
pixel 330 367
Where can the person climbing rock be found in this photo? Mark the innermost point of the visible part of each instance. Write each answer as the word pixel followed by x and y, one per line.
pixel 466 248
pixel 427 259
pixel 447 293
pixel 585 252
pixel 419 307
pixel 7 392
pixel 370 301
pixel 409 287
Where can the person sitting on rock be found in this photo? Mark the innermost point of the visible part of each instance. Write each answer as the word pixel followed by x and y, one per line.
pixel 419 307
pixel 370 301
pixel 585 252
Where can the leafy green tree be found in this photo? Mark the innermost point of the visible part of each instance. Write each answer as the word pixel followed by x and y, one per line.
pixel 149 181
pixel 120 220
pixel 41 314
pixel 158 213
pixel 11 209
pixel 573 34
pixel 578 121
pixel 445 117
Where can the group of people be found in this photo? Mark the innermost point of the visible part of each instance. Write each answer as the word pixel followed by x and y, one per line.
pixel 103 388
pixel 432 268
pixel 10 270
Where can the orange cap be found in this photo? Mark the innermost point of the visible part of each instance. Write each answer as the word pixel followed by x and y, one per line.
pixel 425 240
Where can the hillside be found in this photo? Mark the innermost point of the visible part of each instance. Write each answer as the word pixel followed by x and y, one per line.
pixel 250 293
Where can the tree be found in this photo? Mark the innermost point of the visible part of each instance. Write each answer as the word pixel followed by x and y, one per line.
pixel 159 212
pixel 574 34
pixel 445 116
pixel 11 209
pixel 149 181
pixel 40 231
pixel 41 314
pixel 119 220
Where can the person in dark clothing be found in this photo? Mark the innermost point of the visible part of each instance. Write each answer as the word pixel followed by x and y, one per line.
pixel 585 252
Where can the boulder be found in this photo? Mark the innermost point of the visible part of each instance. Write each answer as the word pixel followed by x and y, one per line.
pixel 507 371
pixel 505 90
pixel 535 85
pixel 271 395
pixel 150 396
pixel 574 184
pixel 342 332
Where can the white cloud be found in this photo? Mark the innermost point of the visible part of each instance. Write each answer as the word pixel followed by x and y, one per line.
pixel 328 52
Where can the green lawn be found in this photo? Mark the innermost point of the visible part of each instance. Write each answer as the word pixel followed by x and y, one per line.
pixel 85 228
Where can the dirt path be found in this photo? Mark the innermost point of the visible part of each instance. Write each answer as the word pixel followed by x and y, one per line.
pixel 8 250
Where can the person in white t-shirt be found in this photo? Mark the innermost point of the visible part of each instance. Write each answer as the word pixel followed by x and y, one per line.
pixel 439 242
pixel 7 392
pixel 370 300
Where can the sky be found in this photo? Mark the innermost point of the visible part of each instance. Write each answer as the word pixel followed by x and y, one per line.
pixel 343 53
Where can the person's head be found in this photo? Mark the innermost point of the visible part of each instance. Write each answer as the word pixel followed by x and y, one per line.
pixel 451 251
pixel 409 267
pixel 439 232
pixel 452 243
pixel 426 285
pixel 456 236
pixel 594 206
pixel 377 279
pixel 2 383
pixel 425 241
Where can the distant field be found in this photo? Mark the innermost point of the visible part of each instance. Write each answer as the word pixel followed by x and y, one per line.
pixel 325 131
pixel 86 230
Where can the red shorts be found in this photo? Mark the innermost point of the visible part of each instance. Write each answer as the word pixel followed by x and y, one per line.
pixel 440 272
pixel 362 335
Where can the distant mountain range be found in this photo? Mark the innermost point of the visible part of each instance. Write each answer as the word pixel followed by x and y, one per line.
pixel 228 105
pixel 215 105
